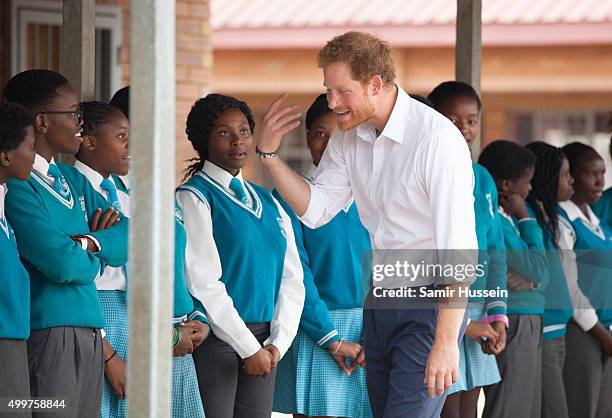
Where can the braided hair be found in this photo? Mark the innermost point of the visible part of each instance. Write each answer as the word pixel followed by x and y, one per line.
pixel 200 121
pixel 545 185
pixel 96 114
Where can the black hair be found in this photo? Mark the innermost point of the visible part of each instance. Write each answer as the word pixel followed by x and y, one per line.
pixel 14 119
pixel 422 99
pixel 545 185
pixel 317 109
pixel 576 153
pixel 121 100
pixel 96 114
pixel 506 160
pixel 450 90
pixel 200 120
pixel 34 88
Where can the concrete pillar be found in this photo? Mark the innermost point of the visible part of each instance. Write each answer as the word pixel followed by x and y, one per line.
pixel 152 146
pixel 78 46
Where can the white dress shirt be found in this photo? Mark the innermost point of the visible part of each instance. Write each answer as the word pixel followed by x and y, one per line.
pixel 3 222
pixel 413 184
pixel 583 312
pixel 203 273
pixel 113 278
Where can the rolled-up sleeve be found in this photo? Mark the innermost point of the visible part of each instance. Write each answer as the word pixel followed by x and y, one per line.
pixel 330 190
pixel 449 179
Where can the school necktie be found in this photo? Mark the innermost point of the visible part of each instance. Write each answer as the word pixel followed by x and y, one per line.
pixel 60 185
pixel 236 187
pixel 111 190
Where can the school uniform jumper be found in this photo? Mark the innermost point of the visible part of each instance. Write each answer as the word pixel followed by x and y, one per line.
pixel 518 394
pixel 476 368
pixel 557 313
pixel 65 347
pixel 335 259
pixel 14 314
pixel 243 266
pixel 112 291
pixel 588 370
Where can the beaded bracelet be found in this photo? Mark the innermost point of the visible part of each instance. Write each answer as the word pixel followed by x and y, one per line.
pixel 265 155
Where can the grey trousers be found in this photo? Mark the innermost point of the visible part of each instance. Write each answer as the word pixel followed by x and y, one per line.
pixel 227 391
pixel 519 392
pixel 14 378
pixel 554 402
pixel 67 363
pixel 587 375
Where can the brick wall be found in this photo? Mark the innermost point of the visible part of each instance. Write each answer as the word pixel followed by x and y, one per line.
pixel 193 63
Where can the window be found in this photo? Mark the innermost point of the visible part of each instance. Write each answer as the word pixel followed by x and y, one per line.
pixel 35 41
pixel 559 128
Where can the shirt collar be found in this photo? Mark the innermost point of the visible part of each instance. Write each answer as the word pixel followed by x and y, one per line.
pixel 574 212
pixel 92 175
pixel 310 171
pixel 395 128
pixel 41 165
pixel 3 191
pixel 220 175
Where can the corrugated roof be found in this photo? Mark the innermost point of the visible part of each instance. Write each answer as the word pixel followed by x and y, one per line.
pixel 277 14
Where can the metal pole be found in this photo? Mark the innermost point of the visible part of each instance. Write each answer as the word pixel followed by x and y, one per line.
pixel 152 145
pixel 468 47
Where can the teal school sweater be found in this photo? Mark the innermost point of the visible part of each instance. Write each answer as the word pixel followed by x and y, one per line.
pixel 526 255
pixel 14 288
pixel 603 207
pixel 251 244
pixel 594 258
pixel 490 236
pixel 335 262
pixel 62 274
pixel 558 305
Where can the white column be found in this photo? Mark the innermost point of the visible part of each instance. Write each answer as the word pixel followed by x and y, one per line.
pixel 152 146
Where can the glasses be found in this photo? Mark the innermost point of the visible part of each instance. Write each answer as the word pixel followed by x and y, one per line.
pixel 78 114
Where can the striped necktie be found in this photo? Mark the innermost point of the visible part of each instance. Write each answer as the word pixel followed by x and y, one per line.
pixel 60 185
pixel 236 187
pixel 111 189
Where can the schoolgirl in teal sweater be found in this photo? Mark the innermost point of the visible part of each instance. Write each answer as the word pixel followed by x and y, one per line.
pixel 551 184
pixel 103 157
pixel 16 160
pixel 512 168
pixel 66 234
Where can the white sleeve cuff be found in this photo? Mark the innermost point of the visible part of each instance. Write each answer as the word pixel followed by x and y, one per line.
pixel 315 207
pixel 585 318
pixel 95 241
